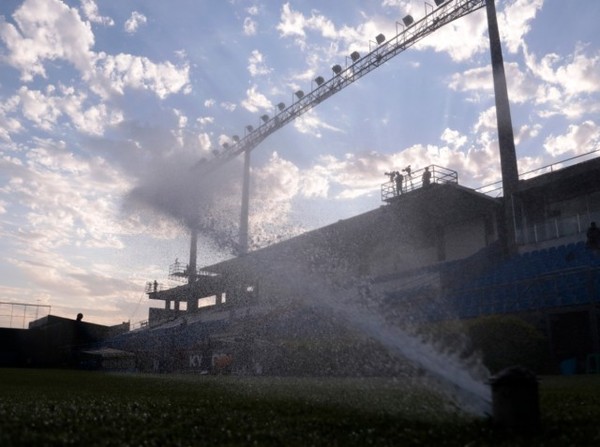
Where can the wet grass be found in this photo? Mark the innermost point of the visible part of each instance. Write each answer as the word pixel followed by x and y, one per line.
pixel 51 407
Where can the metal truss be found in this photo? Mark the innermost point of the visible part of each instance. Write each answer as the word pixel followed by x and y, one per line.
pixel 360 66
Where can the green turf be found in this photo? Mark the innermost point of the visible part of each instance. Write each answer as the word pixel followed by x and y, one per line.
pixel 52 407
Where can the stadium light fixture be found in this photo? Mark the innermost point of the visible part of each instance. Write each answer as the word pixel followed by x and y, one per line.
pixel 319 80
pixel 281 106
pixel 337 69
pixel 439 2
pixel 380 38
pixel 299 94
pixel 249 128
pixel 355 55
pixel 265 117
pixel 408 20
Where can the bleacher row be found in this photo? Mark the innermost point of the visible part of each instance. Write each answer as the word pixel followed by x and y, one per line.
pixel 558 276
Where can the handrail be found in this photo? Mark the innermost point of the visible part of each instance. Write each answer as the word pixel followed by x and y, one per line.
pixel 523 176
pixel 439 175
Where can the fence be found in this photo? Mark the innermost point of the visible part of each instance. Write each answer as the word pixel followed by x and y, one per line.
pixel 19 315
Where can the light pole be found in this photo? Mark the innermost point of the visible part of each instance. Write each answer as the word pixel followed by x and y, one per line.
pixel 506 140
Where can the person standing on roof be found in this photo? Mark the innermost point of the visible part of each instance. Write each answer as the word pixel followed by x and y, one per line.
pixel 593 237
pixel 399 178
pixel 426 179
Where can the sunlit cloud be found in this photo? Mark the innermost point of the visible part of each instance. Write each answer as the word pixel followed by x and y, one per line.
pixel 136 20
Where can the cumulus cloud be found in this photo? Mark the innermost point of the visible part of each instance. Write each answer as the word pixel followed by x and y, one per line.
pixel 256 64
pixel 250 26
pixel 90 11
pixel 295 25
pixel 115 73
pixel 45 108
pixel 567 86
pixel 311 123
pixel 70 198
pixel 514 22
pixel 578 139
pixel 136 20
pixel 256 101
pixel 46 30
pixel 49 30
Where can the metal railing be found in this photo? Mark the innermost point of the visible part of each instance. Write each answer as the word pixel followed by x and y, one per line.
pixel 413 180
pixel 179 271
pixel 19 315
pixel 495 189
pixel 556 228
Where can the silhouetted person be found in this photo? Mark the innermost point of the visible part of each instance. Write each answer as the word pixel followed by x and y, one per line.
pixel 426 178
pixel 155 285
pixel 593 237
pixel 398 179
pixel 79 316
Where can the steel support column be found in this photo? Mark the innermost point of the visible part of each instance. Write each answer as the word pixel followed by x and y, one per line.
pixel 506 140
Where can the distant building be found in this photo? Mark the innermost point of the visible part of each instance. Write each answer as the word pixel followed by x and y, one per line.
pixel 53 341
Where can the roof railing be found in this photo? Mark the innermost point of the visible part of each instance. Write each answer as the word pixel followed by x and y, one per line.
pixel 412 180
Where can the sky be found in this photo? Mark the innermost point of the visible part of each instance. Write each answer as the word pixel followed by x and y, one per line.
pixel 106 106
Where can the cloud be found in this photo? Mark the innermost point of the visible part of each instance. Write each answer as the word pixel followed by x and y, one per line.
pixel 256 64
pixel 256 101
pixel 453 138
pixel 293 24
pixel 46 30
pixel 250 26
pixel 9 124
pixel 90 11
pixel 568 86
pixel 579 139
pixel 311 123
pixel 70 199
pixel 45 108
pixel 133 23
pixel 115 73
pixel 514 22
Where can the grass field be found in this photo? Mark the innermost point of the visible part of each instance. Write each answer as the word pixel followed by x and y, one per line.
pixel 56 407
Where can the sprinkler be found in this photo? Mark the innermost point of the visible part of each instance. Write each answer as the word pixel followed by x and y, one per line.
pixel 515 401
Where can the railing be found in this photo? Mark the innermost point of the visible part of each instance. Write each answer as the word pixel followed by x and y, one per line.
pixel 556 228
pixel 413 180
pixel 180 272
pixel 153 286
pixel 19 315
pixel 495 189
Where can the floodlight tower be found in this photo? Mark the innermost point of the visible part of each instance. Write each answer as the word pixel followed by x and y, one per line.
pixel 506 139
pixel 408 32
